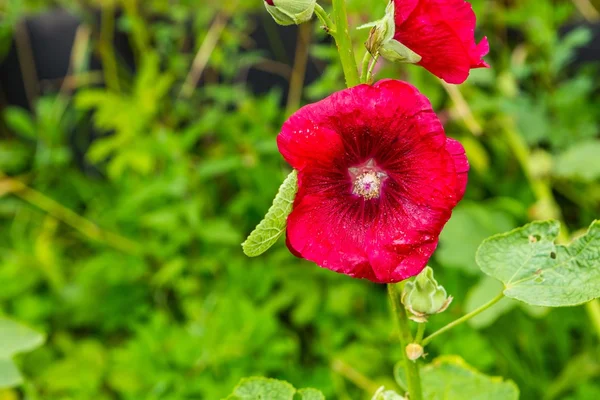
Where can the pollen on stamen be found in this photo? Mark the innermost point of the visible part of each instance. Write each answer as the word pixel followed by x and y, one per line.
pixel 367 179
pixel 367 185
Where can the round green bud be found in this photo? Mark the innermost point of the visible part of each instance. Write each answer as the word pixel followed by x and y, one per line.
pixel 423 296
pixel 290 12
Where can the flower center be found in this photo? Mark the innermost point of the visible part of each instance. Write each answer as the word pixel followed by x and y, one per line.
pixel 367 179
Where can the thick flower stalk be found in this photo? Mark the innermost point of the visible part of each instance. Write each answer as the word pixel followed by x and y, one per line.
pixel 441 32
pixel 377 181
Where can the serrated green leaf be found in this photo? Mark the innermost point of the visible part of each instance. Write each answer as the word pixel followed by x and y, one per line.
pixel 273 225
pixel 16 338
pixel 451 378
pixel 261 388
pixel 9 374
pixel 311 394
pixel 537 271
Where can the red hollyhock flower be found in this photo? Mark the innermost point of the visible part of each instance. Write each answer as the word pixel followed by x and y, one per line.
pixel 377 181
pixel 442 33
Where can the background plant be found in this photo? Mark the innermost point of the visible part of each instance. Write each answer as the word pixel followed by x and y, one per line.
pixel 125 251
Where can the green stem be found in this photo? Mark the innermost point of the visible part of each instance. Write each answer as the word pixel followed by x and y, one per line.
pixel 105 47
pixel 410 367
pixel 299 69
pixel 462 319
pixel 372 67
pixel 365 67
pixel 593 311
pixel 344 43
pixel 325 20
pixel 420 332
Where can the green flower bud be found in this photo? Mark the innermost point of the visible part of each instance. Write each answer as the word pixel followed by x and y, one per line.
pixel 290 12
pixel 423 296
pixel 381 40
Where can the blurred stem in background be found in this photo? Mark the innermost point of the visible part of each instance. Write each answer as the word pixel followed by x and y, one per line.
pixel 67 216
pixel 105 47
pixel 299 68
pixel 587 9
pixel 202 56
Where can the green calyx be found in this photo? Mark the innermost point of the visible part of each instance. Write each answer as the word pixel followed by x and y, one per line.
pixel 423 296
pixel 381 40
pixel 291 12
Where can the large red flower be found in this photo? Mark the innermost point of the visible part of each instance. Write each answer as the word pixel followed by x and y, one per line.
pixel 442 33
pixel 377 181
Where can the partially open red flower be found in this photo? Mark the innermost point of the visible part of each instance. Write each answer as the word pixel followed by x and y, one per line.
pixel 377 181
pixel 442 33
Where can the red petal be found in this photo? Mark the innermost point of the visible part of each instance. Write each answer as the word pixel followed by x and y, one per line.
pixel 403 9
pixel 461 164
pixel 442 33
pixel 302 142
pixel 325 231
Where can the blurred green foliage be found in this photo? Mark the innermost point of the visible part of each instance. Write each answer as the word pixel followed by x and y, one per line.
pixel 129 256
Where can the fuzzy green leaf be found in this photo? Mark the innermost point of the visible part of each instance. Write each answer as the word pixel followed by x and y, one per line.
pixel 273 225
pixel 451 378
pixel 16 338
pixel 537 271
pixel 260 388
pixel 311 394
pixel 9 374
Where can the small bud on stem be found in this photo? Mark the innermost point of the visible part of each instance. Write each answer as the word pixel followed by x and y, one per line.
pixel 290 12
pixel 423 296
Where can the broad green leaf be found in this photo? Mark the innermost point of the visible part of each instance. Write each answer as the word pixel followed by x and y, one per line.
pixel 9 374
pixel 311 394
pixel 451 378
pixel 273 225
pixel 260 388
pixel 580 161
pixel 16 338
pixel 537 271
